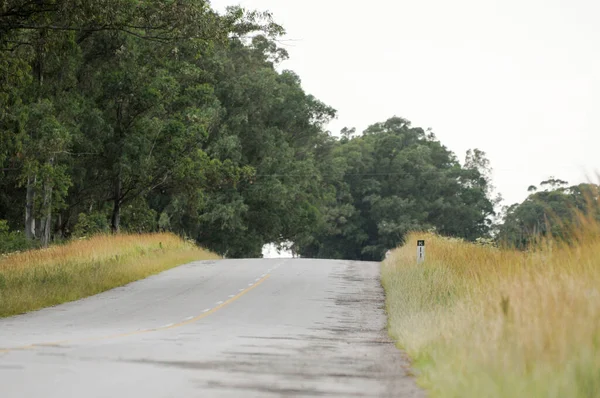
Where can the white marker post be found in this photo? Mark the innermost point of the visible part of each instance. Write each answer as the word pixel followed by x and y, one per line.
pixel 420 251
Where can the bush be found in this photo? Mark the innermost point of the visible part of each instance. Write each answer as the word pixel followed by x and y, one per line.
pixel 137 217
pixel 12 241
pixel 90 224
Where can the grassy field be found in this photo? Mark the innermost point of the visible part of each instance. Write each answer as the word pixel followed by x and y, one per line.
pixel 40 278
pixel 483 322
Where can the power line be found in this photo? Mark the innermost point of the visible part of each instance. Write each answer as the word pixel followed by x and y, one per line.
pixel 343 174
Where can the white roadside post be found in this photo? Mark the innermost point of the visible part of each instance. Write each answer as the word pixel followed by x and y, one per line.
pixel 420 251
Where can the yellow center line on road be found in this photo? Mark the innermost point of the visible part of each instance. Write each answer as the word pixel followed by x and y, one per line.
pixel 173 326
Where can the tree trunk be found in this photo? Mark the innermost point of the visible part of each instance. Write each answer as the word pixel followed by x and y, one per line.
pixel 118 184
pixel 59 226
pixel 47 224
pixel 29 218
pixel 37 66
pixel 116 214
pixel 38 228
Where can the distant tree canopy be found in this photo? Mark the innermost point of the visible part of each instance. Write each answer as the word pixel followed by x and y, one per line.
pixel 553 211
pixel 391 180
pixel 158 115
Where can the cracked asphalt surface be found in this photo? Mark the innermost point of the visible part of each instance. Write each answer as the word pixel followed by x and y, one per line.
pixel 228 328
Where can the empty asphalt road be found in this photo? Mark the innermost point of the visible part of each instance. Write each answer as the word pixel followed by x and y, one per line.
pixel 229 328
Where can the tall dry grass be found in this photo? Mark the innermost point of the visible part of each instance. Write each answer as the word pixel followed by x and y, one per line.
pixel 40 278
pixel 487 322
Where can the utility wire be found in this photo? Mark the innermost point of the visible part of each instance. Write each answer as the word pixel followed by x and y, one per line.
pixel 335 175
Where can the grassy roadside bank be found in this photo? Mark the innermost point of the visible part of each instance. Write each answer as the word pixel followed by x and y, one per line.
pixel 40 278
pixel 483 322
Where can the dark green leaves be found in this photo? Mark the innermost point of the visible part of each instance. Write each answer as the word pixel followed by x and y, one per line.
pixel 143 115
pixel 392 180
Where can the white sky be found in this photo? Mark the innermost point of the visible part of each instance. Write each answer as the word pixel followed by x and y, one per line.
pixel 518 79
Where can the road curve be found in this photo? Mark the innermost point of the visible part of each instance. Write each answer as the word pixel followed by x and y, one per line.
pixel 228 328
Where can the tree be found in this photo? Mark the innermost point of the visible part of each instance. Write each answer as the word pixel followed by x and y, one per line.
pixel 268 124
pixel 39 47
pixel 394 179
pixel 551 212
pixel 84 65
pixel 164 115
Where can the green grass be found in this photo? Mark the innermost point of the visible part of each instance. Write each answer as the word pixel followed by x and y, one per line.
pixel 41 278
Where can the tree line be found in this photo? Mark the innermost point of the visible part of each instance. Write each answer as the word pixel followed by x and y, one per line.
pixel 148 115
pixel 555 209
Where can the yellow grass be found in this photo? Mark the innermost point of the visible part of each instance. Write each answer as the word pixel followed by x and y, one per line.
pixel 484 322
pixel 40 278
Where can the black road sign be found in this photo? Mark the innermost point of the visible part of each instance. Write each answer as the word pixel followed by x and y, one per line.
pixel 420 243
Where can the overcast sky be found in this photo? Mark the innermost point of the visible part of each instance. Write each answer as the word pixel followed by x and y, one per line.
pixel 518 79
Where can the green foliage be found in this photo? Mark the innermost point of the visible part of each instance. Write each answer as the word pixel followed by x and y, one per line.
pixel 12 241
pixel 91 224
pixel 549 212
pixel 138 217
pixel 160 115
pixel 392 180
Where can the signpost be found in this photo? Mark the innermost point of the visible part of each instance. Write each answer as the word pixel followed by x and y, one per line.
pixel 420 251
